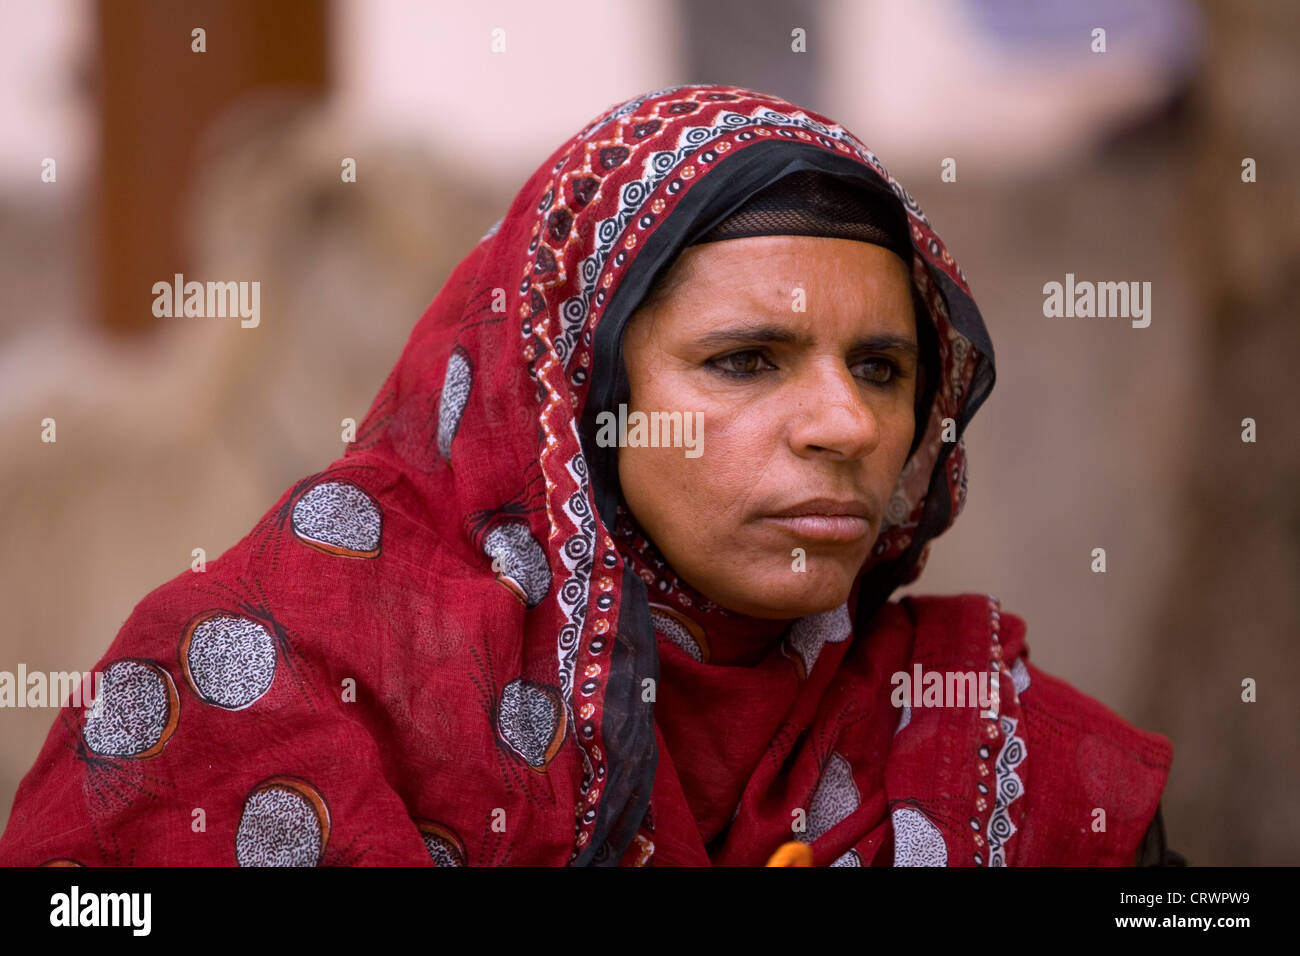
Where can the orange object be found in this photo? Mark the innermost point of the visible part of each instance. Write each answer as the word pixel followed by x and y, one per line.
pixel 792 854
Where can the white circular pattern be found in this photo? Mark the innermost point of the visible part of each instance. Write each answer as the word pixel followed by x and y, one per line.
pixel 230 661
pixel 455 395
pixel 1020 676
pixel 338 517
pixel 834 799
pixel 133 712
pixel 810 634
pixel 520 558
pixel 279 827
pixel 441 851
pixel 530 721
pixel 898 509
pixel 917 841
pixel 676 632
pixel 904 719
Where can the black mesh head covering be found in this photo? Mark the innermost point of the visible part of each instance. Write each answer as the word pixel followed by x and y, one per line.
pixel 811 203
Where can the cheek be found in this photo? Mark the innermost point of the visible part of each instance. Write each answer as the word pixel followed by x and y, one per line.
pixel 694 491
pixel 697 500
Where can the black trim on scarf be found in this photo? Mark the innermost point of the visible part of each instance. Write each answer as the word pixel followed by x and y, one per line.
pixel 627 730
pixel 927 337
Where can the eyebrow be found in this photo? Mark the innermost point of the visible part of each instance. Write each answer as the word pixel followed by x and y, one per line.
pixel 777 335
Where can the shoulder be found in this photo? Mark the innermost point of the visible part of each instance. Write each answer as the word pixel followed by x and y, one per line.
pixel 251 675
pixel 1111 773
pixel 1092 780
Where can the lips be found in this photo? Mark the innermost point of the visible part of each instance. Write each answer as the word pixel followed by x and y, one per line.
pixel 828 520
pixel 824 506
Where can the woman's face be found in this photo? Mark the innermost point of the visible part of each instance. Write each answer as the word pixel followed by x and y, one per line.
pixel 801 354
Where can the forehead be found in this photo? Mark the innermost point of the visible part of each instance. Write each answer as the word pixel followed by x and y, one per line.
pixel 791 276
pixel 792 257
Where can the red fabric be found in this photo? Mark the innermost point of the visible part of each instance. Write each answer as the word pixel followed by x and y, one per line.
pixel 418 655
pixel 763 741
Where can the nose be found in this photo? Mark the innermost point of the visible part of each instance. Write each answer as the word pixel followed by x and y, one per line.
pixel 832 416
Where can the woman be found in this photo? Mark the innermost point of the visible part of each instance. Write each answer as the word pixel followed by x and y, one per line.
pixel 605 578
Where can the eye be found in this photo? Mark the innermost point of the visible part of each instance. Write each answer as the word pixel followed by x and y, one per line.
pixel 743 364
pixel 880 371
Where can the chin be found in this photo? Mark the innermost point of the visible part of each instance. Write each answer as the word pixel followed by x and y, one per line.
pixel 785 594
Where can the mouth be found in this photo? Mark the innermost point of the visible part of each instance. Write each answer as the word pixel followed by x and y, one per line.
pixel 824 520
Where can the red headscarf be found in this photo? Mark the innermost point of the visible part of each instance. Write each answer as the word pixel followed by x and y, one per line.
pixel 452 646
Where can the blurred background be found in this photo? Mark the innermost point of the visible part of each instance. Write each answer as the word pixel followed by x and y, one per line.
pixel 177 434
